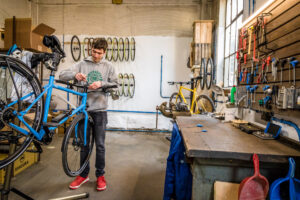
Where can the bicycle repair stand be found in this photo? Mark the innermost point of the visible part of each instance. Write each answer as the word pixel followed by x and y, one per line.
pixel 8 173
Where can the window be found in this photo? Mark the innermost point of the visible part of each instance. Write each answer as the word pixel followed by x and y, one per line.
pixel 234 14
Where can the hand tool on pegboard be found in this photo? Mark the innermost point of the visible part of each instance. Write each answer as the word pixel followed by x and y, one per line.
pixel 289 62
pixel 254 89
pixel 275 62
pixel 248 87
pixel 263 73
pixel 294 64
pixel 250 31
pixel 282 63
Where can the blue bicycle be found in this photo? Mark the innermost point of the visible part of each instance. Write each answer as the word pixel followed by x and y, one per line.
pixel 24 107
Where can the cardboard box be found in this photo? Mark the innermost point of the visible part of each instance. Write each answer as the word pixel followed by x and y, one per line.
pixel 27 36
pixel 23 162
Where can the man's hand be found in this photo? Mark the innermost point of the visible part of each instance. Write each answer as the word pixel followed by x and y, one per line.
pixel 80 76
pixel 95 85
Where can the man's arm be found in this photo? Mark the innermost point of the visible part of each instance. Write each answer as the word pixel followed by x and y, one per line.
pixel 69 74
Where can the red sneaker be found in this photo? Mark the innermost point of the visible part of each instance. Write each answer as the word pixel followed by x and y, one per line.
pixel 78 182
pixel 101 183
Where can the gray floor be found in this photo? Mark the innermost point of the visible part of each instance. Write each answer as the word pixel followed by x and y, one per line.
pixel 135 169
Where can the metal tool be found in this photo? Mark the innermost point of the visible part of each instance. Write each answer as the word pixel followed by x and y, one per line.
pixel 294 63
pixel 290 60
pixel 275 62
pixel 282 63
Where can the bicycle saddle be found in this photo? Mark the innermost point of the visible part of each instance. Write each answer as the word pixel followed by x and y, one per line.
pixel 52 42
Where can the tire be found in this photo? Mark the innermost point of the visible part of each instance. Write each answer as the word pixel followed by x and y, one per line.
pixel 90 46
pixel 126 49
pixel 202 73
pixel 132 49
pixel 23 77
pixel 209 72
pixel 114 48
pixel 85 47
pixel 121 48
pixel 72 146
pixel 120 91
pixel 131 86
pixel 75 48
pixel 204 104
pixel 108 55
pixel 173 99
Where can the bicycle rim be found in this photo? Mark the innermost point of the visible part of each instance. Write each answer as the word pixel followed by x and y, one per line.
pixel 75 48
pixel 121 49
pixel 17 79
pixel 85 47
pixel 115 54
pixel 126 49
pixel 121 85
pixel 109 49
pixel 90 46
pixel 131 85
pixel 209 73
pixel 132 49
pixel 202 74
pixel 126 85
pixel 73 144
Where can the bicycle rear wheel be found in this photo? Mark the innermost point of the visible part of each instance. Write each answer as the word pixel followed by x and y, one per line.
pixel 204 104
pixel 20 86
pixel 73 144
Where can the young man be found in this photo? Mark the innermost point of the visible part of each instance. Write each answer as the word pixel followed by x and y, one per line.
pixel 98 72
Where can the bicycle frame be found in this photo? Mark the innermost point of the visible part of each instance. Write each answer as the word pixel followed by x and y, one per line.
pixel 48 88
pixel 184 100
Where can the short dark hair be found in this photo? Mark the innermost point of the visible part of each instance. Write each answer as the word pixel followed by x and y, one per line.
pixel 100 43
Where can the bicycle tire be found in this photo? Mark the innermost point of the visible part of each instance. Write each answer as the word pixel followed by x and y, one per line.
pixel 126 85
pixel 173 99
pixel 85 47
pixel 209 72
pixel 109 49
pixel 115 45
pixel 120 90
pixel 131 86
pixel 202 101
pixel 75 48
pixel 132 49
pixel 121 49
pixel 90 46
pixel 22 75
pixel 126 49
pixel 202 73
pixel 76 144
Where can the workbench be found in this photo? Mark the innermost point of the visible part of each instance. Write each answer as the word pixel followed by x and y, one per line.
pixel 224 153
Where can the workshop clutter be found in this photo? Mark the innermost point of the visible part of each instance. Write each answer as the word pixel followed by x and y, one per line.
pixel 26 35
pixel 268 62
pixel 122 49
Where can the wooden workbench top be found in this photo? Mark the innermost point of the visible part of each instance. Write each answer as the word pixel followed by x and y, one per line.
pixel 223 141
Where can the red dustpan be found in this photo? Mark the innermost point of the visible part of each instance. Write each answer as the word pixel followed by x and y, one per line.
pixel 255 187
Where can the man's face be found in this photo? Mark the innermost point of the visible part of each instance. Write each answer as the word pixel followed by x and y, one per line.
pixel 97 54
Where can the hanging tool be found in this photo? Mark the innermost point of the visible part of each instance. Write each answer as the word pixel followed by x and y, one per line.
pixel 254 49
pixel 264 74
pixel 248 90
pixel 256 69
pixel 275 62
pixel 282 63
pixel 245 58
pixel 250 30
pixel 294 64
pixel 275 89
pixel 254 89
pixel 289 61
pixel 268 98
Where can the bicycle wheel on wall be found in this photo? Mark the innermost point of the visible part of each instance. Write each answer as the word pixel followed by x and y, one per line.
pixel 85 47
pixel 120 91
pixel 126 85
pixel 126 49
pixel 90 46
pixel 131 85
pixel 121 49
pixel 209 72
pixel 22 87
pixel 109 49
pixel 73 144
pixel 132 49
pixel 202 73
pixel 75 48
pixel 115 54
pixel 204 104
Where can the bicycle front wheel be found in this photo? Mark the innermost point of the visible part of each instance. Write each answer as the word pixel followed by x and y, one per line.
pixel 20 87
pixel 76 155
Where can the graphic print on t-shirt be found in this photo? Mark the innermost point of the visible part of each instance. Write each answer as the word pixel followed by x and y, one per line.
pixel 94 76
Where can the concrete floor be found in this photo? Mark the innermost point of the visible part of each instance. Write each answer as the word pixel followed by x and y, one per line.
pixel 135 169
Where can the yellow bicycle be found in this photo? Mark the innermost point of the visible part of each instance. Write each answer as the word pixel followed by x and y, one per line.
pixel 198 104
